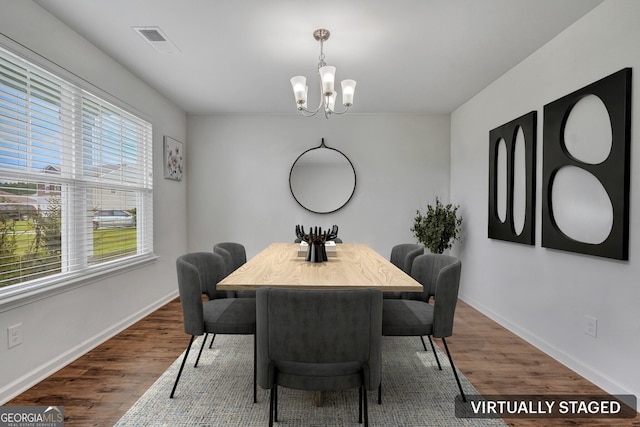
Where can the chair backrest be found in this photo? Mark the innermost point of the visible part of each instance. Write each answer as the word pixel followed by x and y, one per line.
pixel 319 326
pixel 226 255
pixel 440 276
pixel 198 273
pixel 234 256
pixel 211 270
pixel 402 255
pixel 234 253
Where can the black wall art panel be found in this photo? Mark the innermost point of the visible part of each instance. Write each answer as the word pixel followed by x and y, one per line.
pixel 506 230
pixel 613 173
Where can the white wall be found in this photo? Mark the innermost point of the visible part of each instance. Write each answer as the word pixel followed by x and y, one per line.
pixel 58 328
pixel 542 294
pixel 238 167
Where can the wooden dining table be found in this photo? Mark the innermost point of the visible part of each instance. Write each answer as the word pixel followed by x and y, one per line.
pixel 354 266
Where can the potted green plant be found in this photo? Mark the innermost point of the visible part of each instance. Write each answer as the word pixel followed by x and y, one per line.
pixel 438 228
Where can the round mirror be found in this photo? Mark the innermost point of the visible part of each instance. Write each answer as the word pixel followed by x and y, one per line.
pixel 322 179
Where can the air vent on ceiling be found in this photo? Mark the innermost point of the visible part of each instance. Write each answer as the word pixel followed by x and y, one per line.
pixel 156 38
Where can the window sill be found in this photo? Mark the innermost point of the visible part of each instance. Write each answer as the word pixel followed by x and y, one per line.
pixel 23 295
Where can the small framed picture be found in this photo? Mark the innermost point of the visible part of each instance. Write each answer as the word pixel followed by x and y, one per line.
pixel 173 159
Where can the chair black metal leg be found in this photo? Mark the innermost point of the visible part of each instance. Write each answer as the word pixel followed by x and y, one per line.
pixel 255 381
pixel 380 393
pixel 182 366
pixel 434 352
pixel 212 338
pixel 200 352
pixel 423 344
pixel 464 398
pixel 271 399
pixel 366 408
pixel 275 402
pixel 360 404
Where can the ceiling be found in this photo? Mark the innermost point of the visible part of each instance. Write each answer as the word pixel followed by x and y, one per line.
pixel 237 56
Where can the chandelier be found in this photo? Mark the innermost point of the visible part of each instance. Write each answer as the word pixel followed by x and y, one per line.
pixel 327 91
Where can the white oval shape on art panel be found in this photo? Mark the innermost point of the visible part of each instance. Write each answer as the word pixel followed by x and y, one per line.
pixel 587 131
pixel 519 182
pixel 501 180
pixel 582 208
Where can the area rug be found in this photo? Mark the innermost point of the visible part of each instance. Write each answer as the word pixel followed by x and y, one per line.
pixel 219 392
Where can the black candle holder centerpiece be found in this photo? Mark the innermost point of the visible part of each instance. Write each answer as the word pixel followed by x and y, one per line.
pixel 315 240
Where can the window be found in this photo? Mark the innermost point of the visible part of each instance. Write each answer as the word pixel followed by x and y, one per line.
pixel 76 190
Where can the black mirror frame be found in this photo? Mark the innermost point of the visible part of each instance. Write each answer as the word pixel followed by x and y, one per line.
pixel 355 178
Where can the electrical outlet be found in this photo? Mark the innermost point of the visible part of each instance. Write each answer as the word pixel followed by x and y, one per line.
pixel 14 335
pixel 591 326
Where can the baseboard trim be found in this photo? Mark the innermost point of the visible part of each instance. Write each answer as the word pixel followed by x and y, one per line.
pixel 588 372
pixel 25 382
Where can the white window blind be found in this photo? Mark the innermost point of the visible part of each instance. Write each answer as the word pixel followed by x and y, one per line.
pixel 76 190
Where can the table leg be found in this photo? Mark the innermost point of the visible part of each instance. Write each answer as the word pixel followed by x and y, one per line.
pixel 318 398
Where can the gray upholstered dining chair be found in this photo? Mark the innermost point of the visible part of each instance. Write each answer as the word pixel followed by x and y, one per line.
pixel 318 340
pixel 236 252
pixel 413 315
pixel 235 256
pixel 402 256
pixel 199 273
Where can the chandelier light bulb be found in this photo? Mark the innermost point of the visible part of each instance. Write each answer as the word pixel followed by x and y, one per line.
pixel 348 90
pixel 299 84
pixel 332 100
pixel 328 77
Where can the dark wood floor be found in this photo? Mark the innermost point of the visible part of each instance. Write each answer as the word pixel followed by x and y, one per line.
pixel 98 388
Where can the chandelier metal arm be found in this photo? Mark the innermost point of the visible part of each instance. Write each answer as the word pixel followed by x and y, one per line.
pixel 310 113
pixel 327 111
pixel 346 108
